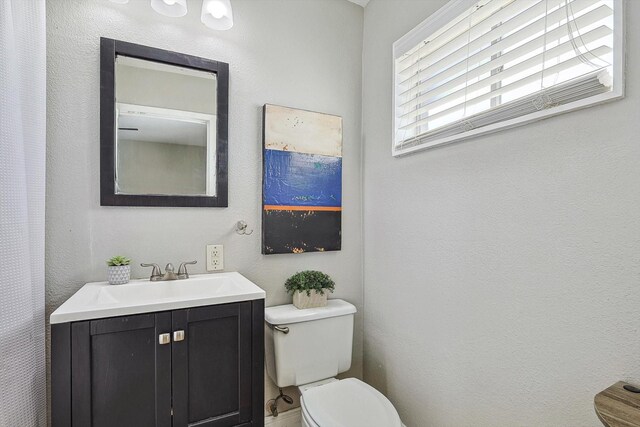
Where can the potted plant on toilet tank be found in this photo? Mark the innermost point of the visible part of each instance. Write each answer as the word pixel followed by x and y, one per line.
pixel 118 270
pixel 309 288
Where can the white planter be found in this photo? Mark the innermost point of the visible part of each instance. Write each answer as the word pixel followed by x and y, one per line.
pixel 302 300
pixel 118 274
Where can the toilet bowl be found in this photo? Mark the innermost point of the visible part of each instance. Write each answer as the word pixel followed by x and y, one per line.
pixel 346 403
pixel 308 348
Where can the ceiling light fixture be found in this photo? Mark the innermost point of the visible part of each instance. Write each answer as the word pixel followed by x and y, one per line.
pixel 120 1
pixel 217 14
pixel 172 8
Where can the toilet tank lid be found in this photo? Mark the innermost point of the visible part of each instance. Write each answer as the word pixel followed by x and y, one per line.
pixel 288 313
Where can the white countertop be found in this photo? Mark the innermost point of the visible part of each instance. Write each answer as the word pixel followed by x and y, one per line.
pixel 99 299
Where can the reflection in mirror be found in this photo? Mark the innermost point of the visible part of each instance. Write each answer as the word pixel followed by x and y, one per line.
pixel 165 129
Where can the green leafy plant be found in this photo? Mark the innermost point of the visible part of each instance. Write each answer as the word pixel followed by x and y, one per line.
pixel 309 280
pixel 118 260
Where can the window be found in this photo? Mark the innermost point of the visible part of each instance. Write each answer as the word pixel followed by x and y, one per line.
pixel 477 66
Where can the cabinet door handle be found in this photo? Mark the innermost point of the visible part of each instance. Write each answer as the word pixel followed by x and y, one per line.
pixel 164 339
pixel 178 335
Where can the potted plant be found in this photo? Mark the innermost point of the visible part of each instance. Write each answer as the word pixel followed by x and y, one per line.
pixel 118 270
pixel 309 288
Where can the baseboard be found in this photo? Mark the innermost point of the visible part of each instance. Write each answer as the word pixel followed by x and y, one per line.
pixel 291 418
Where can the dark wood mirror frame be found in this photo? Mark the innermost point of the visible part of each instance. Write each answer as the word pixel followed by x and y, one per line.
pixel 109 49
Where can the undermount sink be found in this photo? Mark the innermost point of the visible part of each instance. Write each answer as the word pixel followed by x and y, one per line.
pixel 99 299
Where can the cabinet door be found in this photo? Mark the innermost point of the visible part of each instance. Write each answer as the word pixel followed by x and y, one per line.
pixel 212 366
pixel 121 374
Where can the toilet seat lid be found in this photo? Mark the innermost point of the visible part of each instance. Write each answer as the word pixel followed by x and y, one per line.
pixel 348 403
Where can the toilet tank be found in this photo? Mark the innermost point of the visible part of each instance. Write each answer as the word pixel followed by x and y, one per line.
pixel 317 345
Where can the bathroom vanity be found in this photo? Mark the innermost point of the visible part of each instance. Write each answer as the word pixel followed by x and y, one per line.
pixel 179 353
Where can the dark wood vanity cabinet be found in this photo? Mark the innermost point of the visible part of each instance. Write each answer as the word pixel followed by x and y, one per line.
pixel 120 373
pixel 126 372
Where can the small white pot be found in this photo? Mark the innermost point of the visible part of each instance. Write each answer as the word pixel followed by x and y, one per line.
pixel 316 299
pixel 118 274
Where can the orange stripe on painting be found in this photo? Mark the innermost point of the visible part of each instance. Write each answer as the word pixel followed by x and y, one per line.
pixel 302 208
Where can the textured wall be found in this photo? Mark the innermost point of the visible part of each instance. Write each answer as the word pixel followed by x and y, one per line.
pixel 502 274
pixel 304 54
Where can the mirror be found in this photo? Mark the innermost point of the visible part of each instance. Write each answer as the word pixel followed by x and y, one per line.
pixel 164 127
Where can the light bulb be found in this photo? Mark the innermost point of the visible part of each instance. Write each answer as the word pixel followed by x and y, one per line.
pixel 172 8
pixel 217 9
pixel 217 14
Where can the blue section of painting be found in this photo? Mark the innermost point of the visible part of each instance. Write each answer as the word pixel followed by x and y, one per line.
pixel 299 179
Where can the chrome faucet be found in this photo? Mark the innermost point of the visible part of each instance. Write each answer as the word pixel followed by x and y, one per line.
pixel 169 273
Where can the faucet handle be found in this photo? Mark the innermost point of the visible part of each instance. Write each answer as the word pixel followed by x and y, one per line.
pixel 182 270
pixel 156 273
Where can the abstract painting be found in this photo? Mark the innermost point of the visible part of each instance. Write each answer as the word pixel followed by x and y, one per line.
pixel 302 181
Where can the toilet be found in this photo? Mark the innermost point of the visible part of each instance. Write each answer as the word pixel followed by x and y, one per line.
pixel 308 348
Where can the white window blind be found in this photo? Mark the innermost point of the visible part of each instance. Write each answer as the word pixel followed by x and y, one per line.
pixel 482 65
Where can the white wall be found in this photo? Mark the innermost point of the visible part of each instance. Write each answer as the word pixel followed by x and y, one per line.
pixel 186 92
pixel 148 167
pixel 303 53
pixel 502 274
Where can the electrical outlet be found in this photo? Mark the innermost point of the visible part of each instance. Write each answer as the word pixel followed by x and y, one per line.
pixel 215 258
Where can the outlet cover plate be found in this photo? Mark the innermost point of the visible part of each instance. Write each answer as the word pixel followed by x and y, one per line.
pixel 215 258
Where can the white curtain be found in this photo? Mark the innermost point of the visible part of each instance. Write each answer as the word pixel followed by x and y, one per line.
pixel 22 192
